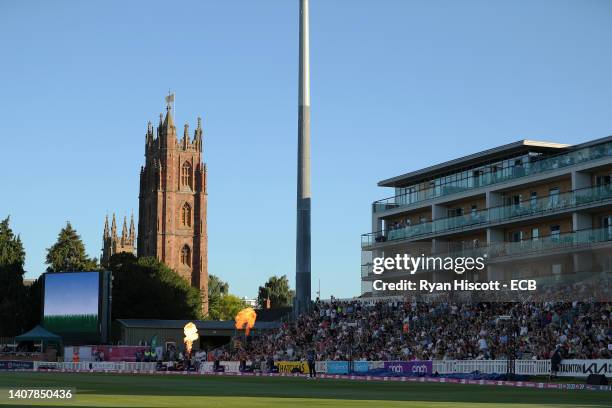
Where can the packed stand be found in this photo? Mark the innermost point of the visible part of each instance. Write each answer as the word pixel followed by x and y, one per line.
pixel 394 330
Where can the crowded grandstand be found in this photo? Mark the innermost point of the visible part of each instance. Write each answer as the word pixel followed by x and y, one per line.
pixel 405 330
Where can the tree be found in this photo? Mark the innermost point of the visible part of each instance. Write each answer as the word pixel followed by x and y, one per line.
pixel 229 307
pixel 68 253
pixel 33 310
pixel 277 290
pixel 12 290
pixel 216 290
pixel 145 288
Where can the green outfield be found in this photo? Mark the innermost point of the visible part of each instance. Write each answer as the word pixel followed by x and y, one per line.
pixel 104 390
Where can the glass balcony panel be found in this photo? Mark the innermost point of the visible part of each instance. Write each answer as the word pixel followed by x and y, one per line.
pixel 514 170
pixel 551 242
pixel 530 207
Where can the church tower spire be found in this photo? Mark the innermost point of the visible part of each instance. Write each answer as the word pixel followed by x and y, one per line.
pixel 149 135
pixel 114 228
pixel 168 131
pixel 168 121
pixel 124 231
pixel 197 136
pixel 172 204
pixel 106 234
pixel 112 244
pixel 132 230
pixel 185 141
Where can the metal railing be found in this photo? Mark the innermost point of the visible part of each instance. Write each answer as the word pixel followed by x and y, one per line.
pixel 119 366
pixel 574 239
pixel 527 208
pixel 535 166
pixel 585 237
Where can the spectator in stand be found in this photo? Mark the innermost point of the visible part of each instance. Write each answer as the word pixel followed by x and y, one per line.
pixel 437 330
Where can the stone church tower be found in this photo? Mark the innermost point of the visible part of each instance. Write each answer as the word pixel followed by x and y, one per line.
pixel 172 202
pixel 113 244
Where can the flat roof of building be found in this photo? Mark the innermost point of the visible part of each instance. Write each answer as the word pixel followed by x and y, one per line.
pixel 473 159
pixel 200 324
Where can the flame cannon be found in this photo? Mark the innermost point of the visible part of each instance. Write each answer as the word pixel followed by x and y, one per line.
pixel 191 335
pixel 245 319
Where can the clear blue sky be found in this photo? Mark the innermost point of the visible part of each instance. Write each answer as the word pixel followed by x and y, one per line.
pixel 396 85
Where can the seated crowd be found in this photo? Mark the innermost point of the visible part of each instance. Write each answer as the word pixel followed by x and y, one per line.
pixel 396 330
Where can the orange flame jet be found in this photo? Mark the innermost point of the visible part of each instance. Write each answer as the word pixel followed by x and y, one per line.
pixel 191 335
pixel 245 319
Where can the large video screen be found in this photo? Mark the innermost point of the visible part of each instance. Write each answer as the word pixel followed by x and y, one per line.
pixel 71 302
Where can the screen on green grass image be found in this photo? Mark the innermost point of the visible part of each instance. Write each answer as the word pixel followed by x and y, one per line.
pixel 71 302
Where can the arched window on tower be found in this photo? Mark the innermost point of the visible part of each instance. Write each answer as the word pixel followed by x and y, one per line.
pixel 186 256
pixel 186 215
pixel 186 175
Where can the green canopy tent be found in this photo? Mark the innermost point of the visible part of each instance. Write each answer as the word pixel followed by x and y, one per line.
pixel 41 334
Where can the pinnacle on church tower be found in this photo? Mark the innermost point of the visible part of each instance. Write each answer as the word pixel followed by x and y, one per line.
pixel 114 228
pixel 106 230
pixel 124 231
pixel 197 135
pixel 149 134
pixel 132 230
pixel 168 121
pixel 185 143
pixel 112 244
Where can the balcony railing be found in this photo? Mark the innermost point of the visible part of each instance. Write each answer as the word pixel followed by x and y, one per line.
pixel 527 208
pixel 574 239
pixel 524 247
pixel 535 166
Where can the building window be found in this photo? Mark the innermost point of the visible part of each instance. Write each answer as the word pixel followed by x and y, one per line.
pixel 186 175
pixel 606 224
pixel 186 215
pixel 555 232
pixel 535 234
pixel 455 212
pixel 601 181
pixel 553 198
pixel 186 256
pixel 476 175
pixel 516 236
pixel 534 199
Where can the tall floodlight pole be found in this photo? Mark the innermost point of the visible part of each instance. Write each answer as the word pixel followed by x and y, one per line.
pixel 302 254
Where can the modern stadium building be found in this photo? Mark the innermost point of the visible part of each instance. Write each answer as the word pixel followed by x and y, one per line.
pixel 534 210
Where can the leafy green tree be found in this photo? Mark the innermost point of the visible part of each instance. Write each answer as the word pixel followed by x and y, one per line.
pixel 33 309
pixel 12 291
pixel 216 290
pixel 145 288
pixel 277 290
pixel 68 253
pixel 229 306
